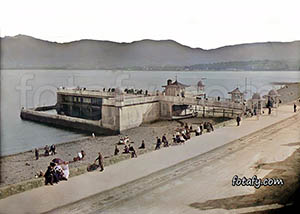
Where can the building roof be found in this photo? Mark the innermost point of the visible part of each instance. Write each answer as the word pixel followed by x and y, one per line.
pixel 200 84
pixel 256 96
pixel 176 84
pixel 273 93
pixel 235 91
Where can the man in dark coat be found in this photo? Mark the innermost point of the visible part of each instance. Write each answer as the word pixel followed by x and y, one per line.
pixel 238 120
pixel 295 107
pixel 158 143
pixel 36 151
pixel 100 159
pixel 49 178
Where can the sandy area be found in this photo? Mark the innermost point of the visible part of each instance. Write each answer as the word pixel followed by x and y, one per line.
pixel 23 166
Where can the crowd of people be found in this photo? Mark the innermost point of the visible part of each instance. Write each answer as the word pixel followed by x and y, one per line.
pixel 57 170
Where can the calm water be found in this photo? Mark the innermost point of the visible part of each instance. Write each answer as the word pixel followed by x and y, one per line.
pixel 36 88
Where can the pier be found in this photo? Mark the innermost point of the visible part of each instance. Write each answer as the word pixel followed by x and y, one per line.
pixel 113 111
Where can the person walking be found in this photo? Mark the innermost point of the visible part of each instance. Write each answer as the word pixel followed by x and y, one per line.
pixel 238 120
pixel 100 159
pixel 158 143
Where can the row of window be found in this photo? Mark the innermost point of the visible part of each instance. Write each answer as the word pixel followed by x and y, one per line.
pixel 86 100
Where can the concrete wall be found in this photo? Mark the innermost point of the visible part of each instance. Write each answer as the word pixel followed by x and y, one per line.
pixel 134 115
pixel 66 122
pixel 111 117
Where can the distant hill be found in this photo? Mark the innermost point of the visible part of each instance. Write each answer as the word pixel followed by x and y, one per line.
pixel 25 52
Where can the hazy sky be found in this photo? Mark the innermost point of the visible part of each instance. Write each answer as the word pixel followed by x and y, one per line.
pixel 196 23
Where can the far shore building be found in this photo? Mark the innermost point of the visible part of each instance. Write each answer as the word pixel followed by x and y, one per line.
pixel 237 96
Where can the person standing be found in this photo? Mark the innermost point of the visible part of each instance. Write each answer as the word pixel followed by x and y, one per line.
pixel 165 141
pixel 158 143
pixel 116 150
pixel 295 107
pixel 36 151
pixel 53 149
pixel 270 110
pixel 238 120
pixel 100 159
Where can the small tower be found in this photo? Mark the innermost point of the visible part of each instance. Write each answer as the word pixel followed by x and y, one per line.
pixel 237 96
pixel 200 87
pixel 273 99
pixel 255 103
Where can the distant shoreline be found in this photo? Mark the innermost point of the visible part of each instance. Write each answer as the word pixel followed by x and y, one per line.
pixel 100 69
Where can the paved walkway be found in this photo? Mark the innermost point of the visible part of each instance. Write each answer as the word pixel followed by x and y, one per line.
pixel 49 197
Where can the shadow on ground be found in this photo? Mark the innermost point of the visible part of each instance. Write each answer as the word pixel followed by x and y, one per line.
pixel 288 194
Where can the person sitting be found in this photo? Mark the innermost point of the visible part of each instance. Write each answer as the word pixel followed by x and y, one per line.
pixel 174 139
pixel 183 134
pixel 65 168
pixel 133 153
pixel 116 150
pixel 198 131
pixel 126 139
pixel 191 128
pixel 121 141
pixel 80 156
pixel 188 136
pixel 126 149
pixel 181 139
pixel 142 146
pixel 130 148
pixel 59 172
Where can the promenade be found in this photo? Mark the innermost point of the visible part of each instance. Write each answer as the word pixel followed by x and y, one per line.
pixel 49 197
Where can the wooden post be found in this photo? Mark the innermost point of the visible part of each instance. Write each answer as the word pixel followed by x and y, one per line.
pixel 203 113
pixel 223 112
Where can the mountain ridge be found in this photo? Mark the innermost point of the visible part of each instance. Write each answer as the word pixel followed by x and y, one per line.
pixel 26 52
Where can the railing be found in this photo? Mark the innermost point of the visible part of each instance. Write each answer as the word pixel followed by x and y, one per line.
pixel 225 103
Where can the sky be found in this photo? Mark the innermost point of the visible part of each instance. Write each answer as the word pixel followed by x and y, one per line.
pixel 196 23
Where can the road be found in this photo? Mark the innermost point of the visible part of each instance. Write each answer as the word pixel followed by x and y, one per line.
pixel 202 184
pixel 168 178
